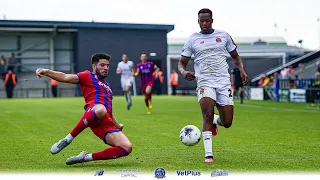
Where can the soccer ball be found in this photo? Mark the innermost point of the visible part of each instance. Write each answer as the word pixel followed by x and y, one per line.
pixel 190 135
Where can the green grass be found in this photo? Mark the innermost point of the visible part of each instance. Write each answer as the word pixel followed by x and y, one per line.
pixel 265 136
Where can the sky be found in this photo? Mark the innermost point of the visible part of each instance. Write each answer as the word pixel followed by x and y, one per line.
pixel 240 18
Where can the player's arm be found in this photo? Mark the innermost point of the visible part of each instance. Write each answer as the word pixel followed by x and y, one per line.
pixel 238 62
pixel 119 71
pixel 183 62
pixel 137 73
pixel 116 123
pixel 133 70
pixel 58 76
pixel 182 66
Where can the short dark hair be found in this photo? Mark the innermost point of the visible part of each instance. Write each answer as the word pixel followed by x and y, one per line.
pixel 95 58
pixel 144 53
pixel 125 54
pixel 205 10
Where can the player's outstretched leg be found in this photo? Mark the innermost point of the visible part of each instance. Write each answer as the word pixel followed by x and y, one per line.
pixel 121 146
pixel 91 118
pixel 207 108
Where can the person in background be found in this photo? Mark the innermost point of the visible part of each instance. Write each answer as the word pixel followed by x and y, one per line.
pixel 291 72
pixel 12 62
pixel 54 87
pixel 174 81
pixel 316 83
pixel 292 82
pixel 10 81
pixel 158 80
pixel 261 81
pixel 277 86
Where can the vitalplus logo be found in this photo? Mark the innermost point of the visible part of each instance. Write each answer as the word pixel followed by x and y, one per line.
pixel 188 173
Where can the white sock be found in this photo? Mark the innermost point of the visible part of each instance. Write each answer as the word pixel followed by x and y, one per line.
pixel 216 119
pixel 69 138
pixel 207 142
pixel 88 157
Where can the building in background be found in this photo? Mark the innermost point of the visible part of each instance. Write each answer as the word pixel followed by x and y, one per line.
pixel 68 46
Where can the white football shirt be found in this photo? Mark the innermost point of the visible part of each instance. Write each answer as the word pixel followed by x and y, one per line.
pixel 126 69
pixel 210 57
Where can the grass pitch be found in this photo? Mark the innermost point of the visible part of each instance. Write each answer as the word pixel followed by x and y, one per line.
pixel 265 136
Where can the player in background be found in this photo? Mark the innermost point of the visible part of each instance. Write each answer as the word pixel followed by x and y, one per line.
pixel 210 48
pixel 237 83
pixel 98 114
pixel 126 69
pixel 145 70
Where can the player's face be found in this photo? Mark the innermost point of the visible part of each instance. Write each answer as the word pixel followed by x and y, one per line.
pixel 143 58
pixel 125 58
pixel 205 22
pixel 101 68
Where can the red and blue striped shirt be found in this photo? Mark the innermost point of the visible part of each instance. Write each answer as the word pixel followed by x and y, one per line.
pixel 95 90
pixel 146 70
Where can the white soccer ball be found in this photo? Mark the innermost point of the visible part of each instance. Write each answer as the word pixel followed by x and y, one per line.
pixel 190 135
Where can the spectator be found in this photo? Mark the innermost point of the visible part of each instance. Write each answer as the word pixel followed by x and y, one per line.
pixel 3 63
pixel 284 73
pixel 10 82
pixel 174 81
pixel 291 72
pixel 158 80
pixel 270 84
pixel 54 87
pixel 318 66
pixel 12 62
pixel 292 83
pixel 261 81
pixel 277 86
pixel 316 83
pixel 266 82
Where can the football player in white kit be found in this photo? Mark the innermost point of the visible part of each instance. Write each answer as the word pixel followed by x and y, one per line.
pixel 210 48
pixel 126 69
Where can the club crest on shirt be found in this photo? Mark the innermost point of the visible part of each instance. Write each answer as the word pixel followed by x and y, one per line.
pixel 218 40
pixel 105 86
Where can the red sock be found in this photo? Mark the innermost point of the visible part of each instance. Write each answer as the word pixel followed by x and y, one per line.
pixel 146 100
pixel 110 153
pixel 88 119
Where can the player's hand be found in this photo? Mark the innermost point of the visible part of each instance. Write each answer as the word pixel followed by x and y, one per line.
pixel 244 77
pixel 41 72
pixel 120 127
pixel 188 75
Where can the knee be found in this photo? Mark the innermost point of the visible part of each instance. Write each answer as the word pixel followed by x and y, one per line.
pixel 227 124
pixel 127 147
pixel 100 111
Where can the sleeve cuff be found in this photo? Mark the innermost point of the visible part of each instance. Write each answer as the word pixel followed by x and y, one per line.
pixel 185 56
pixel 78 79
pixel 233 49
